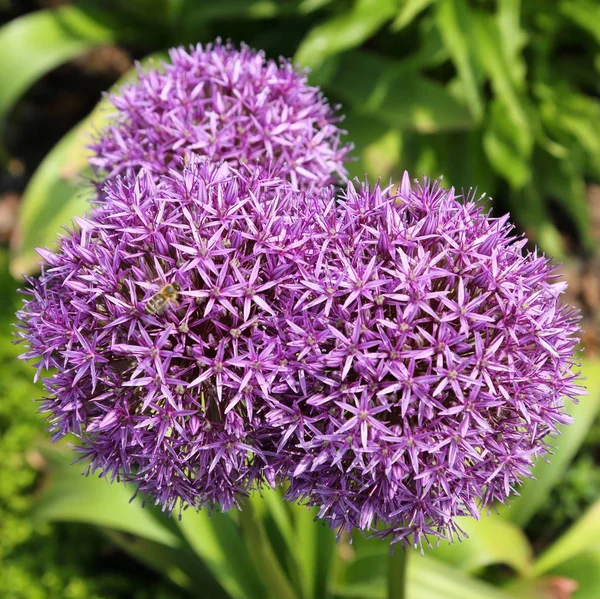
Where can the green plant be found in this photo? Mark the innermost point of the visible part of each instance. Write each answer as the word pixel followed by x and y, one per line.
pixel 578 489
pixel 500 94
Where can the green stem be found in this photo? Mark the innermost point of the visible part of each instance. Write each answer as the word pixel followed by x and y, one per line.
pixel 397 574
pixel 261 552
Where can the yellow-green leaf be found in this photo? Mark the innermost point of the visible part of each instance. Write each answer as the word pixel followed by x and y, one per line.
pixel 582 537
pixel 345 31
pixel 40 41
pixel 59 189
pixel 387 92
pixel 453 19
pixel 534 492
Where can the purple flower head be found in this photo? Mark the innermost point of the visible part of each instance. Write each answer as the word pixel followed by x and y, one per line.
pixel 227 105
pixel 432 355
pixel 157 318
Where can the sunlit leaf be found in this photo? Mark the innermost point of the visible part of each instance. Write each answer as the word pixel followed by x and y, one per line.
pixel 428 578
pixel 179 565
pixel 38 42
pixel 453 18
pixel 583 570
pixel 491 540
pixel 217 541
pixel 533 493
pixel 314 551
pixel 586 13
pixel 59 189
pixel 379 87
pixel 559 180
pixel 502 142
pixel 573 119
pixel 345 31
pixel 582 537
pixel 308 6
pixel 71 497
pixel 409 9
pixel 494 61
pixel 512 39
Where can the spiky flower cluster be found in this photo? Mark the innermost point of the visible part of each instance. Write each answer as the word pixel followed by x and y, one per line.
pixel 432 358
pixel 227 105
pixel 168 389
pixel 395 356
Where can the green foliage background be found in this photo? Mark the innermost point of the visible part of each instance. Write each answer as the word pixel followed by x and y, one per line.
pixel 501 95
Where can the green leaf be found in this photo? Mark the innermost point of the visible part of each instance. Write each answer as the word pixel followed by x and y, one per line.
pixel 50 201
pixel 461 161
pixel 71 497
pixel 560 181
pixel 272 502
pixel 307 6
pixel 504 147
pixel 376 144
pixel 428 578
pixel 397 574
pixel 541 588
pixel 409 9
pixel 57 191
pixel 40 41
pixel 533 493
pixel 512 39
pixel 528 208
pixel 314 551
pixel 584 570
pixel 190 17
pixel 381 88
pixel 453 18
pixel 574 120
pixel 586 13
pixel 345 31
pixel 494 61
pixel 262 554
pixel 490 540
pixel 217 541
pixel 180 566
pixel 582 537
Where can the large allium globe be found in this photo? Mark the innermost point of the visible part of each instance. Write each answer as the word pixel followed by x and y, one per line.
pixel 171 399
pixel 227 105
pixel 432 358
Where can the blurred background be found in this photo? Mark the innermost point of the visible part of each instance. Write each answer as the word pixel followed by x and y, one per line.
pixel 502 95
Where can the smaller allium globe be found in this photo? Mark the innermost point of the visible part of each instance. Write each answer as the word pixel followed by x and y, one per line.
pixel 157 318
pixel 227 105
pixel 432 356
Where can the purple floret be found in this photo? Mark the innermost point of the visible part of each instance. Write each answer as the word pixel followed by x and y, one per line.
pixel 432 357
pixel 171 399
pixel 227 105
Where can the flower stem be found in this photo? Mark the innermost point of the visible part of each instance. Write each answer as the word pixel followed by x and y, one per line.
pixel 397 574
pixel 261 552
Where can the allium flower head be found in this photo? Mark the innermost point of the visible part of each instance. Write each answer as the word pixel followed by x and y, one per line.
pixel 157 317
pixel 227 105
pixel 432 356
